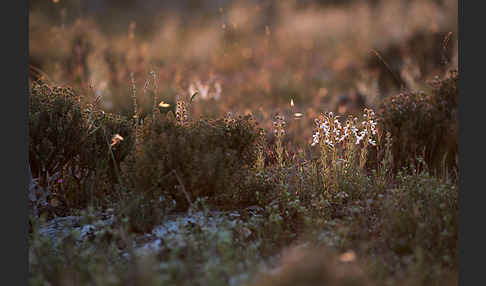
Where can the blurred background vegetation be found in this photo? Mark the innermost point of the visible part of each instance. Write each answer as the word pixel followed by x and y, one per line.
pixel 245 56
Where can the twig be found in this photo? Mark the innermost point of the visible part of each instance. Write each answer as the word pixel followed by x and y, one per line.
pixel 40 73
pixel 110 151
pixel 397 79
pixel 445 45
pixel 188 198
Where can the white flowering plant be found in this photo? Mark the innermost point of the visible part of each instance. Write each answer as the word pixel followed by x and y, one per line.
pixel 343 147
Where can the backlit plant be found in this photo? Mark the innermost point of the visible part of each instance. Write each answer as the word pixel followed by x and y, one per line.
pixel 343 148
pixel 279 130
pixel 72 140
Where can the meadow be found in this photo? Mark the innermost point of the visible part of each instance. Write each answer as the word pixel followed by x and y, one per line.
pixel 244 143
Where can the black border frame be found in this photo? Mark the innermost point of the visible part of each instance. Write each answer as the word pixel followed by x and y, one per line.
pixel 13 213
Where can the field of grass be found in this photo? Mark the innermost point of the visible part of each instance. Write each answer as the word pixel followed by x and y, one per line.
pixel 251 143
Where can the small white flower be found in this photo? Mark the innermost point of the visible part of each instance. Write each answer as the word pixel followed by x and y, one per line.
pixel 338 123
pixel 337 132
pixel 218 90
pixel 203 89
pixel 359 138
pixel 315 138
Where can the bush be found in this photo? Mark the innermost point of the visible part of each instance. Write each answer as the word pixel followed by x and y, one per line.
pixel 71 143
pixel 56 128
pixel 424 124
pixel 205 158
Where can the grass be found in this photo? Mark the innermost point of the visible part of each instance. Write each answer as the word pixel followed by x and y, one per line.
pixel 247 149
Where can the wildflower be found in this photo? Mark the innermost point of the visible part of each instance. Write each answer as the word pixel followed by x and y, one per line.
pixel 337 123
pixel 279 129
pixel 341 139
pixel 325 127
pixel 373 127
pixel 360 136
pixel 146 85
pixel 279 126
pixel 298 115
pixel 116 138
pixel 217 87
pixel 315 138
pixel 164 104
pixel 203 89
pixel 181 112
pixel 229 120
pixel 337 131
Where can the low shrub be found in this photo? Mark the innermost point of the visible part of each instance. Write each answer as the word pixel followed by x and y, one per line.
pixel 57 128
pixel 425 124
pixel 204 158
pixel 421 215
pixel 72 144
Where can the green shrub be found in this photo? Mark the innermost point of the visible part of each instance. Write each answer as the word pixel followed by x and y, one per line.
pixel 98 147
pixel 205 158
pixel 56 128
pixel 72 142
pixel 425 124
